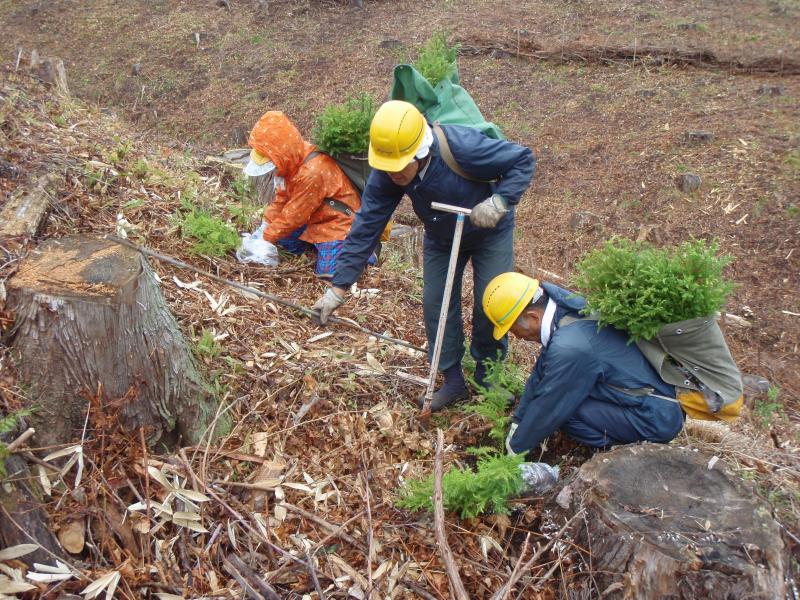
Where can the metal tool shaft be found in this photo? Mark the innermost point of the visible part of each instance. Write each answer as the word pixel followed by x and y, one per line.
pixel 448 290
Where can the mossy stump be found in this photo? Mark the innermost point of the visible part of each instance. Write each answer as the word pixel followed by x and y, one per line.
pixel 671 523
pixel 90 316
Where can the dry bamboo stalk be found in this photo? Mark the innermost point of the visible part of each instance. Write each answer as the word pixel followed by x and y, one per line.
pixel 456 585
pixel 517 573
pixel 251 290
pixel 24 436
pixel 252 577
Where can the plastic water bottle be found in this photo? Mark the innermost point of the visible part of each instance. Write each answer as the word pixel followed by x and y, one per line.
pixel 538 477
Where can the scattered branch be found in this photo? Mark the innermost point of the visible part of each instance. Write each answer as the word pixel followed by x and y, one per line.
pixel 519 572
pixel 457 587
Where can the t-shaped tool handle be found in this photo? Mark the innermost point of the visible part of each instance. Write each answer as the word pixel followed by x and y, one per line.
pixel 459 210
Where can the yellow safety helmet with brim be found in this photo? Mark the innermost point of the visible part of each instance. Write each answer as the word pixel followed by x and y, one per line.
pixel 504 299
pixel 396 133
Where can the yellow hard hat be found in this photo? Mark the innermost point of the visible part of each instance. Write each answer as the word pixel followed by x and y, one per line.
pixel 396 133
pixel 504 299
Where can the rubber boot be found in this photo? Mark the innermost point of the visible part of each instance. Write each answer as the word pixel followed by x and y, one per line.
pixel 454 389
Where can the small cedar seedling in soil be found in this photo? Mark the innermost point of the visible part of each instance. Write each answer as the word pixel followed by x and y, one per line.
pixel 498 477
pixel 344 128
pixel 502 378
pixel 211 235
pixel 436 58
pixel 468 492
pixel 638 288
pixel 243 210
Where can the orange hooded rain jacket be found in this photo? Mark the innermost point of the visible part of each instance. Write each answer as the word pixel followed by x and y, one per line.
pixel 307 184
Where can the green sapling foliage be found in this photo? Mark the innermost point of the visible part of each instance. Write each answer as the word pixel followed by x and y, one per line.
pixel 468 492
pixel 210 235
pixel 501 379
pixel 436 58
pixel 638 288
pixel 344 128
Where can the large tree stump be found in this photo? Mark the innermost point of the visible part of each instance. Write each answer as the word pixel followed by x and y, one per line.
pixel 22 516
pixel 661 524
pixel 89 313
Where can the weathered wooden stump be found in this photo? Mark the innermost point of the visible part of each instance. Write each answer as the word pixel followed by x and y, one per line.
pixel 698 137
pixel 661 524
pixel 89 313
pixel 22 515
pixel 688 182
pixel 25 213
pixel 405 243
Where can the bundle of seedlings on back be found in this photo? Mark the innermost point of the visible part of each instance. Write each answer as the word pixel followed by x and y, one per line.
pixel 344 128
pixel 638 288
pixel 468 492
pixel 436 58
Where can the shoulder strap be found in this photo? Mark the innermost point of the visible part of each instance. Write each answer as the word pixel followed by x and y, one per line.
pixel 447 156
pixel 569 319
pixel 642 391
pixel 335 204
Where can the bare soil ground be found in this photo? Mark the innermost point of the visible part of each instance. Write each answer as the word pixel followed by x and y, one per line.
pixel 608 128
pixel 609 134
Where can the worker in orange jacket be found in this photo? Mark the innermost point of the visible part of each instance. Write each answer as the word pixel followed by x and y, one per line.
pixel 315 202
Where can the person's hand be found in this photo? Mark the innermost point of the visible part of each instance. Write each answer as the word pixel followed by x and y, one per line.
pixel 329 302
pixel 489 212
pixel 508 439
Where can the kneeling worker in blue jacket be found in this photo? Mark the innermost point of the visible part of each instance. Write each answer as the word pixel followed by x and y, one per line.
pixel 408 160
pixel 578 383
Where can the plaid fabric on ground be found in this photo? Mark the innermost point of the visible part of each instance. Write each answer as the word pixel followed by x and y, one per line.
pixel 326 257
pixel 326 252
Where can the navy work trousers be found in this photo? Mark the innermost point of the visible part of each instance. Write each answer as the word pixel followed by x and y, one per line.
pixel 491 253
pixel 601 424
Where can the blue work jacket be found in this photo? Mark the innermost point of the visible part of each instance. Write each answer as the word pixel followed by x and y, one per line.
pixel 481 157
pixel 576 365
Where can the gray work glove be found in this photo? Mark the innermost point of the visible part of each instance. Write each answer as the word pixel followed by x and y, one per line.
pixel 489 212
pixel 328 303
pixel 508 439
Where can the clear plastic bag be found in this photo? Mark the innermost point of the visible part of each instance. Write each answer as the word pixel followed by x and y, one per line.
pixel 255 249
pixel 538 477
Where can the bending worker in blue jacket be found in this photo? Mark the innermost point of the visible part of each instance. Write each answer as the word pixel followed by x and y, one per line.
pixel 578 383
pixel 407 159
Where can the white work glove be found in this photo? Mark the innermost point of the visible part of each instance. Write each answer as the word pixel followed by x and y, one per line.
pixel 508 439
pixel 489 212
pixel 328 303
pixel 255 249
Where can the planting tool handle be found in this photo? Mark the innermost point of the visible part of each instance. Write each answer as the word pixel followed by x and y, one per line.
pixel 459 210
pixel 448 290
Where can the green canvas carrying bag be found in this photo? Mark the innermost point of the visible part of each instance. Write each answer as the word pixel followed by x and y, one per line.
pixel 448 103
pixel 693 357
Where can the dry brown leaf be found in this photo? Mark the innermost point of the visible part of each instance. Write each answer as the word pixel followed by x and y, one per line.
pixel 72 536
